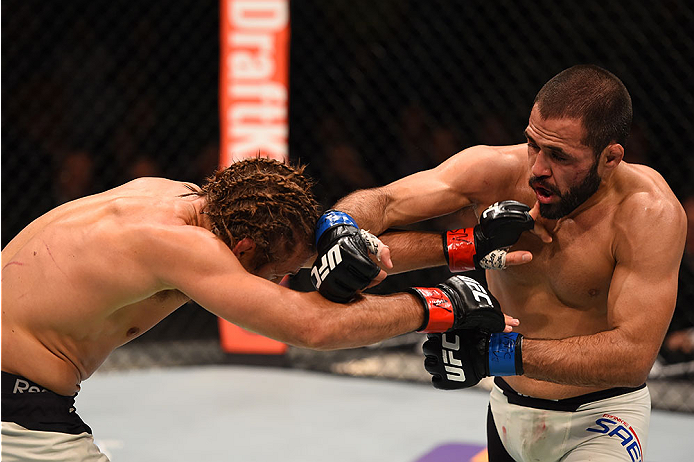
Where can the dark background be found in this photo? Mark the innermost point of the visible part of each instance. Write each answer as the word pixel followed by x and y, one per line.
pixel 95 93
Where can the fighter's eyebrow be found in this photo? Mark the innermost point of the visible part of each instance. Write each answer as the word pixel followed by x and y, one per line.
pixel 529 138
pixel 556 150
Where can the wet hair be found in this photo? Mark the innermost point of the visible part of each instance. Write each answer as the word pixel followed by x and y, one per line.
pixel 595 96
pixel 266 200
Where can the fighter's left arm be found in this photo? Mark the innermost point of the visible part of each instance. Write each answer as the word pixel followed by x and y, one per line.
pixel 641 300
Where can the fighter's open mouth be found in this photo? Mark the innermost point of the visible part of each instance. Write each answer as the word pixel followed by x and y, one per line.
pixel 543 194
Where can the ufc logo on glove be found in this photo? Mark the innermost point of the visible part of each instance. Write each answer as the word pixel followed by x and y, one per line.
pixel 328 262
pixel 453 366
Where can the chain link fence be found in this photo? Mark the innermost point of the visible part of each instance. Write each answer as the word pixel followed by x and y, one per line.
pixel 95 93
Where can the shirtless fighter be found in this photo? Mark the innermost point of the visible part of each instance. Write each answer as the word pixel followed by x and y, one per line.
pixel 595 295
pixel 97 272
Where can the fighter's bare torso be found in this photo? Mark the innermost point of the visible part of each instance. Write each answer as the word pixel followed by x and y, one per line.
pixel 72 290
pixel 563 292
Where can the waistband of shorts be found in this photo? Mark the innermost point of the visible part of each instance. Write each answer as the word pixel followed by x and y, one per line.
pixel 16 384
pixel 567 404
pixel 34 407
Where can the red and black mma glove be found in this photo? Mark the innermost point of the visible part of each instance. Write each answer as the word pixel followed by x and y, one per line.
pixel 500 227
pixel 461 358
pixel 343 266
pixel 459 303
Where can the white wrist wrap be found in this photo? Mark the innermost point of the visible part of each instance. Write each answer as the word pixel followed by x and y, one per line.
pixel 496 259
pixel 373 244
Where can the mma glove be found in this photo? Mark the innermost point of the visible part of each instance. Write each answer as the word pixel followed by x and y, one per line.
pixel 485 246
pixel 459 303
pixel 343 266
pixel 460 359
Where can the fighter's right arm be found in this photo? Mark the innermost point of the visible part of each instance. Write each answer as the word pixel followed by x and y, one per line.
pixel 470 177
pixel 477 176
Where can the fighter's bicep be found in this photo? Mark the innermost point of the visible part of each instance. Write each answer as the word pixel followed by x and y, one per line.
pixel 466 178
pixel 423 195
pixel 643 289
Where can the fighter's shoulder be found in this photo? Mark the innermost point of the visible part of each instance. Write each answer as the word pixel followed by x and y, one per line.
pixel 647 202
pixel 155 185
pixel 157 234
pixel 644 188
pixel 497 161
pixel 513 154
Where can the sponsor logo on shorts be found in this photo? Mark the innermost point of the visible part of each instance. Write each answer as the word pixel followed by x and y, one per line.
pixel 454 370
pixel 23 386
pixel 613 426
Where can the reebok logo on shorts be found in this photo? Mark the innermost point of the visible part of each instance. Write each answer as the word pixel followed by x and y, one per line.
pixel 22 386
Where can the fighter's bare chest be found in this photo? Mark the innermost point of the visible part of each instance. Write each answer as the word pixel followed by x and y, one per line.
pixel 575 268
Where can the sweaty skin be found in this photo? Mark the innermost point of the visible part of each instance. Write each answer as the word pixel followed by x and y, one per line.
pixel 595 299
pixel 97 272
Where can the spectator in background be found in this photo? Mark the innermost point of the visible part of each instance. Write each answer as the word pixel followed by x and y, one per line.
pixel 638 146
pixel 345 163
pixel 416 140
pixel 75 176
pixel 342 168
pixel 143 166
pixel 205 161
pixel 444 141
pixel 493 130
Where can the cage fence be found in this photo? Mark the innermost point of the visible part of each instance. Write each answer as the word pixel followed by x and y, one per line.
pixel 95 93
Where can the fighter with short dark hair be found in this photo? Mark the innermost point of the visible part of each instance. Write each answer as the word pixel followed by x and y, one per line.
pixel 594 285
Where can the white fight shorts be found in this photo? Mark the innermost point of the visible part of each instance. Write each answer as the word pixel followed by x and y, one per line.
pixel 39 425
pixel 609 425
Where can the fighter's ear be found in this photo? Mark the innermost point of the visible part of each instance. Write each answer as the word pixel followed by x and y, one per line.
pixel 613 155
pixel 243 246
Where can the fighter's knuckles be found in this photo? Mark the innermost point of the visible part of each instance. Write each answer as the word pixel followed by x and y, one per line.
pixel 431 363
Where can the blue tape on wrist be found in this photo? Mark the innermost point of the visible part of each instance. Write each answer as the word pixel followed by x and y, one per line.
pixel 502 354
pixel 330 219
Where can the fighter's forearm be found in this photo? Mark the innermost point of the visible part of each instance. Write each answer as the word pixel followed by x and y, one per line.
pixel 367 320
pixel 411 250
pixel 606 359
pixel 368 207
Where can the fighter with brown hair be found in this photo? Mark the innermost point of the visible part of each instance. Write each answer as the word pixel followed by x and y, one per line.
pixel 267 201
pixel 99 271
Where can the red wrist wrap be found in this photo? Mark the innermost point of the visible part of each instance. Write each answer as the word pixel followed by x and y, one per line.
pixel 439 309
pixel 460 249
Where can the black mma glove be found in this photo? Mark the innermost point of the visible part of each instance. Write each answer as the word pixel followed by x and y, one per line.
pixel 484 246
pixel 459 303
pixel 460 359
pixel 343 266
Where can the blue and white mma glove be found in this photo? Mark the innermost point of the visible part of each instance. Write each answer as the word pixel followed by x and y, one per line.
pixel 343 266
pixel 461 358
